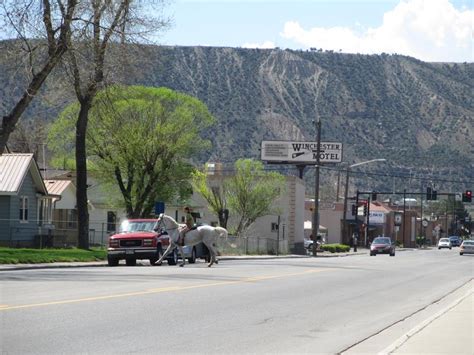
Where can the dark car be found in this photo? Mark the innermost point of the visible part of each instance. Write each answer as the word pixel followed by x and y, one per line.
pixel 382 245
pixel 456 241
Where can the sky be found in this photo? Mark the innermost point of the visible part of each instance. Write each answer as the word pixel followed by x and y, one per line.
pixel 429 30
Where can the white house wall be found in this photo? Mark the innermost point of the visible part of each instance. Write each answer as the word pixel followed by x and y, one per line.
pixel 67 201
pixel 331 219
pixel 98 233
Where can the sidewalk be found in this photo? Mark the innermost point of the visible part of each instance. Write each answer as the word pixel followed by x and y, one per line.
pixel 450 331
pixel 445 327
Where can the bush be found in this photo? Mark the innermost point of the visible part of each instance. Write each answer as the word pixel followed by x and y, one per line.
pixel 336 248
pixel 420 241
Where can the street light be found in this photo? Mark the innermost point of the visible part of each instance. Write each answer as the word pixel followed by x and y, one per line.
pixel 344 226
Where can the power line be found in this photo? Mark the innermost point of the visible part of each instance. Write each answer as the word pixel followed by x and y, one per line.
pixel 291 168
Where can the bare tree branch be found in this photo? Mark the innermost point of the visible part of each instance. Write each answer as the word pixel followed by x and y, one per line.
pixel 56 49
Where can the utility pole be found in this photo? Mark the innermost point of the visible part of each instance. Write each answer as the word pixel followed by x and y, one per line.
pixel 316 190
pixel 344 213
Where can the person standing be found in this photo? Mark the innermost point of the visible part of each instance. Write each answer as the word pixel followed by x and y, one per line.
pixel 354 241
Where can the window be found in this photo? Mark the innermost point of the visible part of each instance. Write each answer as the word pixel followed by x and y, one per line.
pixel 274 227
pixel 111 221
pixel 71 218
pixel 24 209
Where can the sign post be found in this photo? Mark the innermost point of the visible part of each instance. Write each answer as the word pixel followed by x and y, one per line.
pixel 302 154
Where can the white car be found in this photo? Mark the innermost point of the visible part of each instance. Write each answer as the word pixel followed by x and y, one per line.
pixel 444 243
pixel 467 247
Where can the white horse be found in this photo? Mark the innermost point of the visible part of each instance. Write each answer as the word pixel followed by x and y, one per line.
pixel 205 234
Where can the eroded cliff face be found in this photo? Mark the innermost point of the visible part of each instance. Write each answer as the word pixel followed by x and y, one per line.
pixel 414 114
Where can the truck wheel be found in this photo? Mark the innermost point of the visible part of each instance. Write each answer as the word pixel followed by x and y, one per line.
pixel 112 261
pixel 131 262
pixel 173 260
pixel 159 253
pixel 192 258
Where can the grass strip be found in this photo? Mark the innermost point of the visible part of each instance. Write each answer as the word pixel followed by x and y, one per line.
pixel 35 256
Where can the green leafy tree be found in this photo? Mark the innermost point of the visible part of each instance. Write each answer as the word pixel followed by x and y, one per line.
pixel 251 192
pixel 101 27
pixel 214 192
pixel 139 139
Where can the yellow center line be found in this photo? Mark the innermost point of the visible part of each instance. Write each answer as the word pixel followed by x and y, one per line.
pixel 5 307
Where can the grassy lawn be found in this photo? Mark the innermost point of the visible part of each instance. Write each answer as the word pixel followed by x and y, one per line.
pixel 34 256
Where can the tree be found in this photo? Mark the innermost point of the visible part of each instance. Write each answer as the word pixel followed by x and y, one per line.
pixel 29 137
pixel 86 30
pixel 252 192
pixel 102 23
pixel 214 192
pixel 140 140
pixel 20 18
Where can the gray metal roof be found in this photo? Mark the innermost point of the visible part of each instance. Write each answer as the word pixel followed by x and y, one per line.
pixel 13 170
pixel 56 187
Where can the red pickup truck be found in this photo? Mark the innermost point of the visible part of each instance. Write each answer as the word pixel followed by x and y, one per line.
pixel 137 239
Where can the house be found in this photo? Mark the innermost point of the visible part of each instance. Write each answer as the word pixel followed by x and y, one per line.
pixel 64 216
pixel 105 213
pixel 25 204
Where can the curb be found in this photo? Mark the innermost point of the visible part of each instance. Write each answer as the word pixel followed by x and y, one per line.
pixel 13 267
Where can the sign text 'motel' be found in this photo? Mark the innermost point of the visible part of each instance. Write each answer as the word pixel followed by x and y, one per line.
pixel 300 152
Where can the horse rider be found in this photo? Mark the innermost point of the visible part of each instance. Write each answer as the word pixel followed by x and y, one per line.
pixel 189 221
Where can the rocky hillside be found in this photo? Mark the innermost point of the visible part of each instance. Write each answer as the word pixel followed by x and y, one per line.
pixel 417 115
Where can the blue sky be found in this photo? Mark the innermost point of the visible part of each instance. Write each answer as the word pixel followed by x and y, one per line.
pixel 430 30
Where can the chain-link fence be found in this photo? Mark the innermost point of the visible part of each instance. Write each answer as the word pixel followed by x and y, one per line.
pixel 251 245
pixel 55 235
pixel 58 235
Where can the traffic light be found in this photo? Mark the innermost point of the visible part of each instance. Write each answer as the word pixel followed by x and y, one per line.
pixel 354 210
pixel 374 196
pixel 467 196
pixel 431 194
pixel 365 210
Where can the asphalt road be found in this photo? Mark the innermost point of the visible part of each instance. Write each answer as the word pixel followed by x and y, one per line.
pixel 304 305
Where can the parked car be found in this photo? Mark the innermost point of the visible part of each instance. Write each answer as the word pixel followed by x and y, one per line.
pixel 308 243
pixel 137 239
pixel 382 245
pixel 467 247
pixel 456 241
pixel 192 253
pixel 444 243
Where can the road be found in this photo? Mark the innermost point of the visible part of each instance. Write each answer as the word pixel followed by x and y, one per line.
pixel 303 305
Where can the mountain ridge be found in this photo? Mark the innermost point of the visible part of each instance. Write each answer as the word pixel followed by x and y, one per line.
pixel 413 113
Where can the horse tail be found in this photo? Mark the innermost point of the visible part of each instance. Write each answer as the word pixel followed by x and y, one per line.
pixel 222 232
